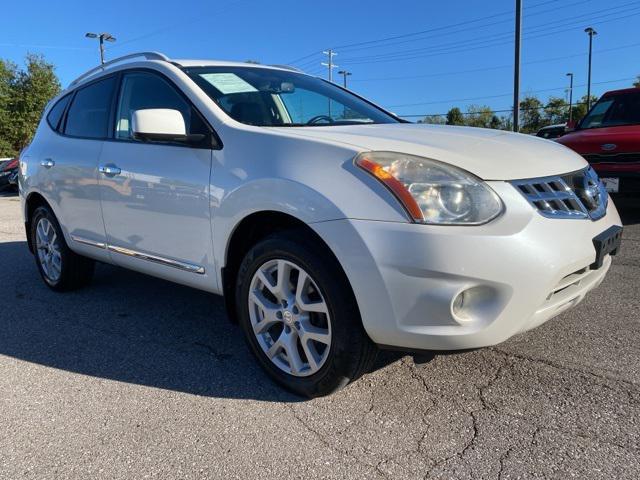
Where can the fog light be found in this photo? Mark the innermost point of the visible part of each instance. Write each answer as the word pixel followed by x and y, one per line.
pixel 459 304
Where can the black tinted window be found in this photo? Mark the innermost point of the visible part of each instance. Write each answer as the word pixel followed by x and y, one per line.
pixel 141 91
pixel 55 114
pixel 89 113
pixel 612 110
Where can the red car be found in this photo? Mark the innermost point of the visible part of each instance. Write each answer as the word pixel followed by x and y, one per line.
pixel 608 137
pixel 9 174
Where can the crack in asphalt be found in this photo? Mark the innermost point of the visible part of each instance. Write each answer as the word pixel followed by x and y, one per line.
pixel 486 405
pixel 473 415
pixel 631 385
pixel 329 445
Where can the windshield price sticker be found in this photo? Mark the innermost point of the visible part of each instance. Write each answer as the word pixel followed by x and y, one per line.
pixel 228 83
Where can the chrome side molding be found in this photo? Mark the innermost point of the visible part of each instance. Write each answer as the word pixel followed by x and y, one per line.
pixel 86 241
pixel 187 267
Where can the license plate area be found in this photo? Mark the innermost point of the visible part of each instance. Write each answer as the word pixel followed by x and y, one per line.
pixel 611 184
pixel 606 243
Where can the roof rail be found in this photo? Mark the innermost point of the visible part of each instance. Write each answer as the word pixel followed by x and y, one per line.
pixel 288 67
pixel 147 55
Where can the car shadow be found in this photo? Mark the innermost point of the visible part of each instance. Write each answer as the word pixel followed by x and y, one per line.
pixel 8 192
pixel 131 328
pixel 628 208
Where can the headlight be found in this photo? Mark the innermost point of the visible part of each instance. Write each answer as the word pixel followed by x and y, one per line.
pixel 433 192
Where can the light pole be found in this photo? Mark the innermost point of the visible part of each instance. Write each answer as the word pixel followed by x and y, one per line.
pixel 344 74
pixel 591 32
pixel 102 37
pixel 516 68
pixel 570 75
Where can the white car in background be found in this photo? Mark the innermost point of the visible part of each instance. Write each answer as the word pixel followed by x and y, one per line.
pixel 331 226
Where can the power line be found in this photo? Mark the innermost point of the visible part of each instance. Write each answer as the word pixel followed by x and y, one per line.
pixel 473 44
pixel 496 36
pixel 444 27
pixel 496 67
pixel 454 32
pixel 505 94
pixel 506 110
pixel 200 18
pixel 447 27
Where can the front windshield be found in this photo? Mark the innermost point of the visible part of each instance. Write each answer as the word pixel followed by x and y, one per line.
pixel 279 98
pixel 622 109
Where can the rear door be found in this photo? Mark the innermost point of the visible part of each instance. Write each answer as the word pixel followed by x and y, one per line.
pixel 69 163
pixel 155 196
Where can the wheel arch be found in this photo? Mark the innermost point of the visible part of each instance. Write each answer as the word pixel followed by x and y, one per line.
pixel 249 231
pixel 32 202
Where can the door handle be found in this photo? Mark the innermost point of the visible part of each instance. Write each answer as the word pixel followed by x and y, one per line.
pixel 109 170
pixel 47 163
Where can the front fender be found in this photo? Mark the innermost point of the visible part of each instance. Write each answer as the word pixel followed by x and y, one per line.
pixel 267 194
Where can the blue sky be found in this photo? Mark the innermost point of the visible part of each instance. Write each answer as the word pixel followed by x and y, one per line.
pixel 464 55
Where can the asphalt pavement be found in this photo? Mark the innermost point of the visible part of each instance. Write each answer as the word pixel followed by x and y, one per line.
pixel 135 377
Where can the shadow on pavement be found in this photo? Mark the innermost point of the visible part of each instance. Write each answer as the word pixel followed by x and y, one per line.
pixel 8 193
pixel 628 208
pixel 131 328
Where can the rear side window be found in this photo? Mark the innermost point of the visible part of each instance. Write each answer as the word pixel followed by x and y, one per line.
pixel 88 115
pixel 55 114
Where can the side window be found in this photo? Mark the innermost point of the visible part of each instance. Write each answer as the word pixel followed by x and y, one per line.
pixel 141 90
pixel 55 114
pixel 88 115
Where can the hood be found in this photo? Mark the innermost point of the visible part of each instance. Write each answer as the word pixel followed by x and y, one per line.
pixel 488 154
pixel 621 139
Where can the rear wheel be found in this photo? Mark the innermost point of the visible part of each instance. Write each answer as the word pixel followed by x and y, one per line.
pixel 300 317
pixel 60 268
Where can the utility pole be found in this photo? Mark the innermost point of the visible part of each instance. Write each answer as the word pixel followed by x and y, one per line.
pixel 102 37
pixel 516 68
pixel 344 74
pixel 329 64
pixel 570 75
pixel 591 32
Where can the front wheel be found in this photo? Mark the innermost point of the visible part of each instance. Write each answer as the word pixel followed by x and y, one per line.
pixel 300 317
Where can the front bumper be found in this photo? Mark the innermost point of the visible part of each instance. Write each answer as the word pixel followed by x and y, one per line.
pixel 517 271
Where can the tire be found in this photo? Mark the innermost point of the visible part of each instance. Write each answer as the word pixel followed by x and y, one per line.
pixel 65 269
pixel 322 310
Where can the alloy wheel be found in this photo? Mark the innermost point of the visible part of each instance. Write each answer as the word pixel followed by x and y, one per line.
pixel 48 248
pixel 289 317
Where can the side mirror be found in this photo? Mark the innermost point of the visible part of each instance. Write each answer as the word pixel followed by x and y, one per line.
pixel 161 124
pixel 570 126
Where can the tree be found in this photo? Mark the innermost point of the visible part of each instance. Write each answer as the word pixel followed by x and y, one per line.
pixel 530 114
pixel 455 117
pixel 24 93
pixel 479 116
pixel 556 111
pixel 637 82
pixel 433 119
pixel 7 80
pixel 496 123
pixel 506 122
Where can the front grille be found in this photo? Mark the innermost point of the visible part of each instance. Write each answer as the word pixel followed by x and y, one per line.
pixel 612 158
pixel 576 195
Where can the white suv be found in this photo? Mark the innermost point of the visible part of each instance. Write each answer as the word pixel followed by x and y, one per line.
pixel 331 226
